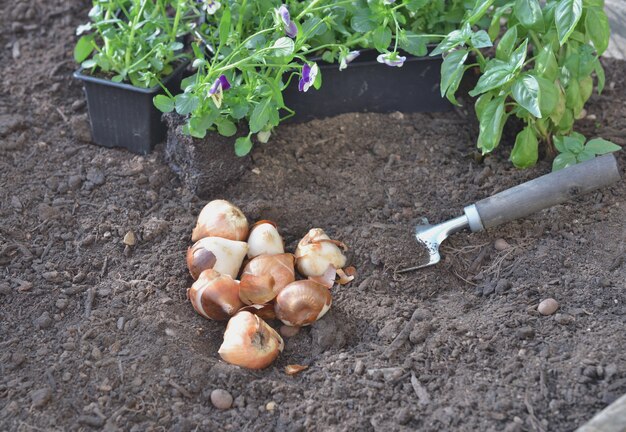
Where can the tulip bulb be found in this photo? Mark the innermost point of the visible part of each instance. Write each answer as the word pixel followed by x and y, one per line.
pixel 302 302
pixel 250 342
pixel 220 218
pixel 264 277
pixel 316 251
pixel 264 240
pixel 220 254
pixel 215 296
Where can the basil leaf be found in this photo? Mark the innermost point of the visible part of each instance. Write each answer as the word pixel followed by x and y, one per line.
pixel 563 161
pixel 525 152
pixel 546 64
pixel 452 72
pixel 480 39
pixel 497 73
pixel 529 14
pixel 526 92
pixel 491 124
pixel 597 27
pixel 506 44
pixel 548 96
pixel 566 16
pixel 519 56
pixel 601 146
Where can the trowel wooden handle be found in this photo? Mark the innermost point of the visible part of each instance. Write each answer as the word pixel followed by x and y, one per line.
pixel 547 191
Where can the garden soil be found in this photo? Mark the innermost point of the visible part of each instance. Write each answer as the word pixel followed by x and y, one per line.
pixel 98 336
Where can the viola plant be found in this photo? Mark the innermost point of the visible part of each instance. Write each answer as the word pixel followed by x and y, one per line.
pixel 248 52
pixel 541 72
pixel 135 41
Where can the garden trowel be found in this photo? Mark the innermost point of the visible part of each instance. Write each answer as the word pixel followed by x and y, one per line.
pixel 520 201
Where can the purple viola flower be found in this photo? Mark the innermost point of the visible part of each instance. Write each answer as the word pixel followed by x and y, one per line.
pixel 216 91
pixel 211 6
pixel 291 29
pixel 343 63
pixel 309 73
pixel 391 59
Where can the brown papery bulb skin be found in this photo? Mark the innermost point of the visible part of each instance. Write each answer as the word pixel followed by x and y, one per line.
pixel 220 218
pixel 264 277
pixel 302 302
pixel 250 342
pixel 220 254
pixel 215 296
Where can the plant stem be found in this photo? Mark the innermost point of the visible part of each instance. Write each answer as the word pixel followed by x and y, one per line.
pixel 131 37
pixel 176 22
pixel 242 9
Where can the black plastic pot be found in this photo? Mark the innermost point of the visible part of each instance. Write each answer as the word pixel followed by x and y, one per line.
pixel 369 86
pixel 122 115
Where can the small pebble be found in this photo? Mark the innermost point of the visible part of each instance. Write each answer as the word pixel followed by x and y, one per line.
pixel 130 239
pixel 548 306
pixel 5 289
pixel 270 406
pixel 221 399
pixel 40 397
pixel 526 333
pixel 501 245
pixel 44 321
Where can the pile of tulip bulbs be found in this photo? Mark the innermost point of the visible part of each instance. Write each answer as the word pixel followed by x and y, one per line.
pixel 226 248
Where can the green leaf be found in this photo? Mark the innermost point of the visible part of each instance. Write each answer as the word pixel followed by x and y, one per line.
pixel 574 143
pixel 548 96
pixel 243 145
pixel 382 38
pixel 452 72
pixel 481 104
pixel 519 56
pixel 453 39
pixel 224 28
pixel 557 140
pixel 83 48
pixel 525 151
pixel 586 88
pixel 362 23
pixel 526 93
pixel 239 110
pixel 480 7
pixel 415 5
pixel 601 146
pixel 529 14
pixel 506 44
pixel 260 115
pixel 491 124
pixel 584 155
pixel 480 39
pixel 314 27
pixel 597 27
pixel 164 103
pixel 413 43
pixel 283 47
pixel 546 64
pixel 566 16
pixel 573 97
pixel 185 103
pixel 497 73
pixel 600 74
pixel 563 161
pixel 226 128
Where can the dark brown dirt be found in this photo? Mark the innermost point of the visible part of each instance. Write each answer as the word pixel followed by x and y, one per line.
pixel 96 337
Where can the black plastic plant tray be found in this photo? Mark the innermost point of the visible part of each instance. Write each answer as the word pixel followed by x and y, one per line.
pixel 122 115
pixel 368 86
